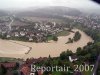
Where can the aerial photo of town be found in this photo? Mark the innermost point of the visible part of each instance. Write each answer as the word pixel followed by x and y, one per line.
pixel 49 37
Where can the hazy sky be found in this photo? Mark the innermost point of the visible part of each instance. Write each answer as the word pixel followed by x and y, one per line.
pixel 32 3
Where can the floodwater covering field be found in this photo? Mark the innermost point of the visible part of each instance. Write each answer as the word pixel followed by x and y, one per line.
pixel 19 49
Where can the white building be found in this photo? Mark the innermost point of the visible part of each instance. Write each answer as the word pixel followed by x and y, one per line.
pixel 72 58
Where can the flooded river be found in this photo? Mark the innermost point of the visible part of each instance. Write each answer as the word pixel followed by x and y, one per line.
pixel 18 49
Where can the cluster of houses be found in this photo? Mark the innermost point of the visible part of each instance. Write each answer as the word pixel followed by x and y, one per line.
pixel 89 21
pixel 36 31
pixel 4 21
pixel 24 67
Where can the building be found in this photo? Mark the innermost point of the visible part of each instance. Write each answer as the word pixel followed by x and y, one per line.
pixel 8 65
pixel 25 70
pixel 72 58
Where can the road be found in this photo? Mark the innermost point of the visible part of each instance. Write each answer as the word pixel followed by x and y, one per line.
pixel 9 25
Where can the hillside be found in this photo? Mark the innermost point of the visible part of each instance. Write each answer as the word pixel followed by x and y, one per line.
pixel 3 13
pixel 50 12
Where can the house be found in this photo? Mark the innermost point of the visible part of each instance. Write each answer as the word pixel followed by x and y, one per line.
pixel 8 65
pixel 40 72
pixel 22 33
pixel 25 70
pixel 33 60
pixel 16 34
pixel 73 58
pixel 30 39
pixel 8 36
pixel 3 32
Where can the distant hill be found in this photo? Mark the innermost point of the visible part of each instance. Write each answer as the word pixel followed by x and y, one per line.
pixel 51 12
pixel 3 13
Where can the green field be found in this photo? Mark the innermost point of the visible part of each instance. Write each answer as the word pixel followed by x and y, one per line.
pixel 63 33
pixel 50 37
pixel 5 59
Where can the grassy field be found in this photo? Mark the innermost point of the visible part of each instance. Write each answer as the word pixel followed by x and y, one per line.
pixel 50 37
pixel 63 33
pixel 3 59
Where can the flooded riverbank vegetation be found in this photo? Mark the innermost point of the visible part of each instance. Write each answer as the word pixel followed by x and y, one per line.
pixel 76 37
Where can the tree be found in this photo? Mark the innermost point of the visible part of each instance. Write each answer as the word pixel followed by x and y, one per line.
pixel 3 70
pixel 70 40
pixel 55 38
pixel 49 57
pixel 15 72
pixel 79 51
pixel 17 66
pixel 66 54
pixel 77 36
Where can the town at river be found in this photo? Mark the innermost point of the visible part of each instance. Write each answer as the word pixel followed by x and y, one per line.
pixel 19 49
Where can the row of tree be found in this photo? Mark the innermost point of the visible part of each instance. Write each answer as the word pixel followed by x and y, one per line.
pixel 76 37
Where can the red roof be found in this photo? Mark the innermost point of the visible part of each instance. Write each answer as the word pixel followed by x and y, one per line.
pixel 40 72
pixel 26 70
pixel 8 65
